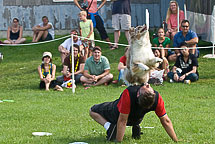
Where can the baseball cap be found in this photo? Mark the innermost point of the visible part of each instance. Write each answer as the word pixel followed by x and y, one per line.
pixel 97 48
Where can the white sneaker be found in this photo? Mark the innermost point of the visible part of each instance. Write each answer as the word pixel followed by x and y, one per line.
pixel 171 81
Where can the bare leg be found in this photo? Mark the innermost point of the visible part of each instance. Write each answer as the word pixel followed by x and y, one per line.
pixel 45 33
pixel 192 51
pixel 22 40
pixel 39 35
pixel 63 56
pixel 85 80
pixel 116 37
pixel 86 52
pixel 127 35
pixel 98 118
pixel 173 34
pixel 34 36
pixel 48 83
pixel 105 79
pixel 168 34
pixel 108 40
pixel 7 42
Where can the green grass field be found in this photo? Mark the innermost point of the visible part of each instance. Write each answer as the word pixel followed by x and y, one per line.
pixel 65 115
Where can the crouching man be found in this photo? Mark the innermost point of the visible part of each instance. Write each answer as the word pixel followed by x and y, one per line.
pixel 129 109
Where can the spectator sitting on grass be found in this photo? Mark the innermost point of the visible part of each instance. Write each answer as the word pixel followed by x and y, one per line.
pixel 121 66
pixel 64 48
pixel 163 42
pixel 14 33
pixel 185 68
pixel 78 67
pixel 47 73
pixel 97 69
pixel 44 31
pixel 164 65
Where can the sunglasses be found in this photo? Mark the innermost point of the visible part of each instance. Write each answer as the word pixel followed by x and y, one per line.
pixel 185 26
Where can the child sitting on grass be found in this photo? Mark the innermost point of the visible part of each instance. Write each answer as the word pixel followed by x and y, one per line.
pixel 86 30
pixel 47 73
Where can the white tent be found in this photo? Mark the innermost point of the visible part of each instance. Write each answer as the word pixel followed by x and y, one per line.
pixel 201 14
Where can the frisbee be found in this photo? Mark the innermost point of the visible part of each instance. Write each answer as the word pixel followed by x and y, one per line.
pixel 149 127
pixel 41 134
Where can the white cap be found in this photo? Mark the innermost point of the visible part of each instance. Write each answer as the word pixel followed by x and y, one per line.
pixel 47 54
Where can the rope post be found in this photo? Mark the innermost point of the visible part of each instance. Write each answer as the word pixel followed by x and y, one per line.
pixel 147 19
pixel 185 11
pixel 213 50
pixel 178 19
pixel 73 76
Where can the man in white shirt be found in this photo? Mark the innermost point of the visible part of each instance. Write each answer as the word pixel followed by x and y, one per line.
pixel 43 31
pixel 65 47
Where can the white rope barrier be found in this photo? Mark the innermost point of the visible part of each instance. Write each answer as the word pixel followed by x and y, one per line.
pixel 35 43
pixel 183 48
pixel 125 45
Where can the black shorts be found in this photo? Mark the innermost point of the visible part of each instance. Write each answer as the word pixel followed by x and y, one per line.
pixel 48 37
pixel 52 84
pixel 106 110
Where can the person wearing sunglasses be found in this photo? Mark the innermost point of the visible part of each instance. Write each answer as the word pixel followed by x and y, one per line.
pixel 186 36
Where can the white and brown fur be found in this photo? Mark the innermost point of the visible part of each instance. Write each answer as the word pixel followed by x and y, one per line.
pixel 140 59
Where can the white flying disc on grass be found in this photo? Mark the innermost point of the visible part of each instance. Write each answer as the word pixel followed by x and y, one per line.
pixel 41 134
pixel 149 127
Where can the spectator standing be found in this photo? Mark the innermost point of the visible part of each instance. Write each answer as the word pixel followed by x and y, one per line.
pixel 129 110
pixel 97 69
pixel 65 47
pixel 47 73
pixel 185 68
pixel 14 33
pixel 93 14
pixel 86 30
pixel 43 31
pixel 121 19
pixel 172 20
pixel 186 36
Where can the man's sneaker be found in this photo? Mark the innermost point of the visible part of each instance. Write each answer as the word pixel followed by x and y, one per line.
pixel 187 82
pixel 136 132
pixel 111 132
pixel 171 81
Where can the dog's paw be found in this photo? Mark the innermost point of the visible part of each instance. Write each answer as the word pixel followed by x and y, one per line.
pixel 158 60
pixel 143 67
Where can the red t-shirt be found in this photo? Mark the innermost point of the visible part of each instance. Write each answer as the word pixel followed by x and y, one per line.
pixel 123 60
pixel 124 104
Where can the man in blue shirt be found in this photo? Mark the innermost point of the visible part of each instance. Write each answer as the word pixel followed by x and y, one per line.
pixel 186 36
pixel 121 19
